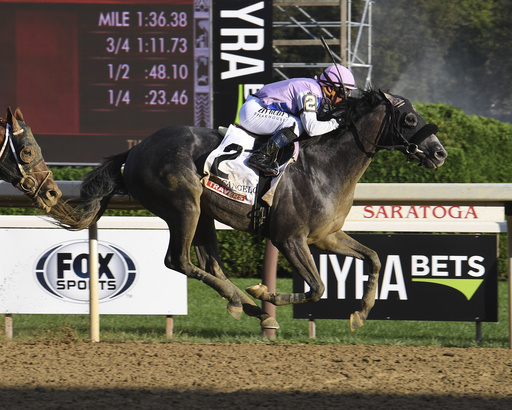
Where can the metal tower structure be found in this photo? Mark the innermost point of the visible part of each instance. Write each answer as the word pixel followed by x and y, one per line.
pixel 359 56
pixel 349 39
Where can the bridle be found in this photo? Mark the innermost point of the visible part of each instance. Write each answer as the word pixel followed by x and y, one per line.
pixel 391 124
pixel 22 178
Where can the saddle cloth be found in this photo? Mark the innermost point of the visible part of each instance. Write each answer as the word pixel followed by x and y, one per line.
pixel 228 174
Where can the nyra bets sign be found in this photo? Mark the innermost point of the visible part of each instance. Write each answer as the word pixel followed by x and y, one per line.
pixel 423 277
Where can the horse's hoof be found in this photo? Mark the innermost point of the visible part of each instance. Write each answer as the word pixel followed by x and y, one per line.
pixel 235 311
pixel 235 307
pixel 257 291
pixel 269 323
pixel 355 321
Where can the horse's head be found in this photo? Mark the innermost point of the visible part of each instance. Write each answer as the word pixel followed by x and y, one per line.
pixel 412 135
pixel 22 164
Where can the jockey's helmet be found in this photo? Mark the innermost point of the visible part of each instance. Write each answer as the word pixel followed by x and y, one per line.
pixel 336 76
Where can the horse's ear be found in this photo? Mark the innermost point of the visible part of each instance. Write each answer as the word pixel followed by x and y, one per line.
pixel 8 115
pixel 12 119
pixel 18 115
pixel 391 98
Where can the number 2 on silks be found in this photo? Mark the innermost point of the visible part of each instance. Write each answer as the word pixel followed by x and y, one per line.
pixel 225 157
pixel 310 103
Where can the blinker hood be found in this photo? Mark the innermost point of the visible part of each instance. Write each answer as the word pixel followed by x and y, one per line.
pixel 410 123
pixel 423 133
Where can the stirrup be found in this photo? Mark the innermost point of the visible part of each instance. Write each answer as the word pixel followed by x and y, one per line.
pixel 271 172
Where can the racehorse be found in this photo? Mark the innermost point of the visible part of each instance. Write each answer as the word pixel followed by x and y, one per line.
pixel 22 164
pixel 310 204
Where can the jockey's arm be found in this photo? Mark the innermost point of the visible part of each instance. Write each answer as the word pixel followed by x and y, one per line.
pixel 308 105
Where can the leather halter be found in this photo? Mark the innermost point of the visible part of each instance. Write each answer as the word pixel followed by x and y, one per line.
pixel 23 177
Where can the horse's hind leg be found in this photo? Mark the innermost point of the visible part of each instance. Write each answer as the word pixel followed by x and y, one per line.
pixel 182 216
pixel 206 247
pixel 178 258
pixel 175 198
pixel 183 227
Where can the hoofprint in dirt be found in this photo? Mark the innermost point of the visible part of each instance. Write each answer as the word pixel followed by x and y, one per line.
pixel 181 375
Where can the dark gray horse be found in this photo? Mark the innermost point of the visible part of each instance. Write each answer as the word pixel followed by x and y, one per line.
pixel 310 205
pixel 22 164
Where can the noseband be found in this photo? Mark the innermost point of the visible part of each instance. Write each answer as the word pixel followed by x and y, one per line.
pixel 27 182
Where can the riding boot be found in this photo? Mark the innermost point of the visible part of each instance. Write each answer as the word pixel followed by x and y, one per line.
pixel 265 158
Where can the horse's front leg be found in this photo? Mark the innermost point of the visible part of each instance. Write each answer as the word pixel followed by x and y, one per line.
pixel 297 252
pixel 340 243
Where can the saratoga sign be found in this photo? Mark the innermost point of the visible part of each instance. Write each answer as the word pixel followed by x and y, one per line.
pixel 426 212
pixel 423 277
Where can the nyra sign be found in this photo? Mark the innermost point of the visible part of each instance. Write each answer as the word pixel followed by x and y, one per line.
pixel 423 277
pixel 241 53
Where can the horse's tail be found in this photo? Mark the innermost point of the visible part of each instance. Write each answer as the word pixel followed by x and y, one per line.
pixel 98 187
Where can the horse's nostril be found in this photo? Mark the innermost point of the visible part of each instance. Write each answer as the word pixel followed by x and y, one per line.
pixel 441 154
pixel 52 194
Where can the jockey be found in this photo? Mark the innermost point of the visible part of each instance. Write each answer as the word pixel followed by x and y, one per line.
pixel 286 109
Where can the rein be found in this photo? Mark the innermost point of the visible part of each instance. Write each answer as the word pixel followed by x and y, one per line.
pixel 32 189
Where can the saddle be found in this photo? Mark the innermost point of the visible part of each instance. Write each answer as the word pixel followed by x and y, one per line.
pixel 227 173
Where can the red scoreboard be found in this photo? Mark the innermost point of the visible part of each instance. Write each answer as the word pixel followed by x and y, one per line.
pixel 92 78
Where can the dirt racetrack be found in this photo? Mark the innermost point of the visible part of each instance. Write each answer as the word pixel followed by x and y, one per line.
pixel 79 375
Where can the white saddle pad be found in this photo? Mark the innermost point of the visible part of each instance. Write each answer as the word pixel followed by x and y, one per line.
pixel 227 172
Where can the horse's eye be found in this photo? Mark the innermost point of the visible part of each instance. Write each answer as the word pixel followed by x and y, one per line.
pixel 411 120
pixel 27 154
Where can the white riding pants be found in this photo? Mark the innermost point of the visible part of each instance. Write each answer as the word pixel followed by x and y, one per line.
pixel 255 117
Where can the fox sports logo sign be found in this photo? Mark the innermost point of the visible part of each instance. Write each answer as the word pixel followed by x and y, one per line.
pixel 63 271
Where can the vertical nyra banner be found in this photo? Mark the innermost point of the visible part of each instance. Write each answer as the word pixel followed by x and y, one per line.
pixel 423 277
pixel 241 53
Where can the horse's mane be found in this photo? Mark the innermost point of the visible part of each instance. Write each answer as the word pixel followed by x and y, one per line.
pixel 349 110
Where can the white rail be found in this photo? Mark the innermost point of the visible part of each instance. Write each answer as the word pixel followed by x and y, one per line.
pixel 475 194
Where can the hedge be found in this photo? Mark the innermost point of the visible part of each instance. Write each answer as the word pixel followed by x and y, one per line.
pixel 479 151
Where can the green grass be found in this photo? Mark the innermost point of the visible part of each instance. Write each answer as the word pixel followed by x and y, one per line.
pixel 208 321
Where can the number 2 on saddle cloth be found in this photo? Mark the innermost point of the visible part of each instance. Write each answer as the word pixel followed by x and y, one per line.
pixel 227 172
